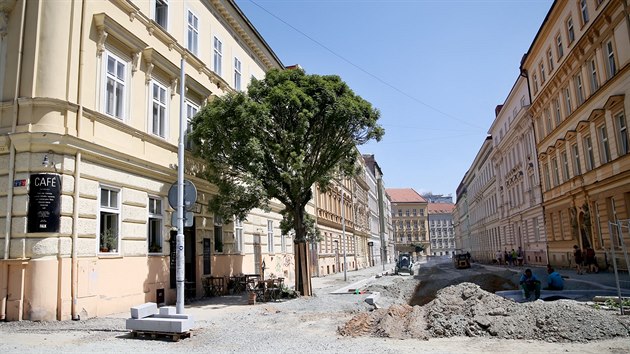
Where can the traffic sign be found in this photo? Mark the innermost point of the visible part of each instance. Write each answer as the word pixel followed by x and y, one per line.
pixel 190 195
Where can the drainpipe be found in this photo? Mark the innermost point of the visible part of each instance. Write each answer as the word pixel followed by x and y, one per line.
pixel 74 283
pixel 11 175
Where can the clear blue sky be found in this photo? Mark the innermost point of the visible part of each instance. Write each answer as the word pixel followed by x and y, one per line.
pixel 436 70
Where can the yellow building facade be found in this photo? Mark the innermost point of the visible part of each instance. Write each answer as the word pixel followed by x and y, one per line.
pixel 578 69
pixel 89 127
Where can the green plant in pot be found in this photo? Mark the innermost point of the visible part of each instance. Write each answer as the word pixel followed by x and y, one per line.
pixel 109 240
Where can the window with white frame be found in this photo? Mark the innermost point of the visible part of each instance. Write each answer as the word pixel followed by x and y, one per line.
pixel 159 110
pixel 546 176
pixel 588 153
pixel 604 144
pixel 610 59
pixel 570 31
pixel 577 169
pixel 535 79
pixel 237 74
pixel 556 174
pixel 283 243
pixel 115 85
pixel 191 110
pixel 238 235
pixel 192 43
pixel 579 89
pixel 155 222
pixel 556 110
pixel 584 11
pixel 559 46
pixel 622 134
pixel 567 100
pixel 160 12
pixel 218 234
pixel 565 165
pixel 109 220
pixel 550 59
pixel 593 75
pixel 270 236
pixel 543 75
pixel 218 56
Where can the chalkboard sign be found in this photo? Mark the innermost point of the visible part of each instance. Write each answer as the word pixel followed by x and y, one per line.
pixel 206 255
pixel 44 203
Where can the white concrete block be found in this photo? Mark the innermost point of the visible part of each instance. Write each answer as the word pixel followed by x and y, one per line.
pixel 371 299
pixel 168 310
pixel 159 324
pixel 144 310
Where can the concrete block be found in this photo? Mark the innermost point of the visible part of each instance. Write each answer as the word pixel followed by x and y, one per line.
pixel 371 299
pixel 168 310
pixel 144 310
pixel 157 324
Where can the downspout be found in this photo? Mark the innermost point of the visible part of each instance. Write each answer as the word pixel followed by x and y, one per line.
pixel 11 175
pixel 74 285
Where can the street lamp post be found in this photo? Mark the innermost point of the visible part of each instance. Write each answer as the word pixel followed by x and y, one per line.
pixel 337 255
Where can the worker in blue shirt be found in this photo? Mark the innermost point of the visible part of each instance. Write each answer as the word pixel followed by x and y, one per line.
pixel 554 280
pixel 530 283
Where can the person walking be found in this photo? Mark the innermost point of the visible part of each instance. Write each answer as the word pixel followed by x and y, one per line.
pixel 578 258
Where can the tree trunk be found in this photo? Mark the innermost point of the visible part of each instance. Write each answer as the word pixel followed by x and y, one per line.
pixel 302 265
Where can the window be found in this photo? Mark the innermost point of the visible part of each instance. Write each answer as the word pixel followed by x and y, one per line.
pixel 193 33
pixel 584 10
pixel 116 73
pixel 577 170
pixel 546 176
pixel 421 212
pixel 407 212
pixel 622 134
pixel 237 74
pixel 535 79
pixel 559 46
pixel 218 56
pixel 579 89
pixel 556 175
pixel 154 236
pixel 550 59
pixel 161 13
pixel 570 32
pixel 604 144
pixel 283 243
pixel 415 212
pixel 556 110
pixel 567 100
pixel 588 152
pixel 543 76
pixel 270 236
pixel 565 166
pixel 593 76
pixel 158 110
pixel 109 220
pixel 238 235
pixel 218 234
pixel 191 110
pixel 610 55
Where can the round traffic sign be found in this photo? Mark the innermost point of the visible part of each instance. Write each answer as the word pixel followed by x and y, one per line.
pixel 190 195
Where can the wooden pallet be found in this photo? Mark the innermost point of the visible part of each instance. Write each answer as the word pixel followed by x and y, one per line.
pixel 175 337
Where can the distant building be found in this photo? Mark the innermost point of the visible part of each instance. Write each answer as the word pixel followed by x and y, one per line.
pixel 409 217
pixel 380 223
pixel 438 198
pixel 441 232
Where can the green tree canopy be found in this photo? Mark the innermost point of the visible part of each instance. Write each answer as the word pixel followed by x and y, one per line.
pixel 285 134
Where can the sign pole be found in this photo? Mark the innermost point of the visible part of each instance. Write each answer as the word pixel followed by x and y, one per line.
pixel 180 274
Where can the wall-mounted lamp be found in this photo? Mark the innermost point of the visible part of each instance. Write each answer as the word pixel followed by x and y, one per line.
pixel 46 161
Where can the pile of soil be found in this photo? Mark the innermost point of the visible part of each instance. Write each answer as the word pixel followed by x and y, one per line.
pixel 468 310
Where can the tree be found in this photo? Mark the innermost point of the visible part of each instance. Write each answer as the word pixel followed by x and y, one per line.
pixel 287 133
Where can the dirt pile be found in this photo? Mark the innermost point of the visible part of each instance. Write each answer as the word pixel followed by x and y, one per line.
pixel 468 310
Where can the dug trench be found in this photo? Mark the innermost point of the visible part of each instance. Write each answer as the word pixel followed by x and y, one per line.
pixel 441 301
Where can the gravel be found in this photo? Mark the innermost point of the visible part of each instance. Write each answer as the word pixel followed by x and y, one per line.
pixel 459 316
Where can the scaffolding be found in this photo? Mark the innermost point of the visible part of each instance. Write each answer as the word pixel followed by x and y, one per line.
pixel 617 229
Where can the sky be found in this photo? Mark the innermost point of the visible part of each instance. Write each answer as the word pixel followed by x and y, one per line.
pixel 435 69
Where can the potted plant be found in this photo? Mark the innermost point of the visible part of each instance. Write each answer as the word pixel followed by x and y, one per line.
pixel 109 240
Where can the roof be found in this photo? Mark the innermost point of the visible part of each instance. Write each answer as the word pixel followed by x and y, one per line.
pixel 404 195
pixel 441 208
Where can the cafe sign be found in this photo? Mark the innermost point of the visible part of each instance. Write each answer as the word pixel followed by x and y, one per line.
pixel 44 202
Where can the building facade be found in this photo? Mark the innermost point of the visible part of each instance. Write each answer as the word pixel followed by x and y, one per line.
pixel 521 220
pixel 409 217
pixel 578 69
pixel 441 232
pixel 89 130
